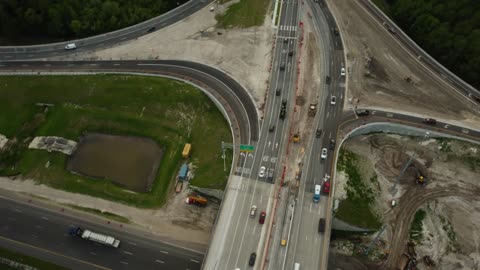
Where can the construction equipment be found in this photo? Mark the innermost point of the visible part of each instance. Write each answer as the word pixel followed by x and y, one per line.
pixel 296 137
pixel 312 109
pixel 197 200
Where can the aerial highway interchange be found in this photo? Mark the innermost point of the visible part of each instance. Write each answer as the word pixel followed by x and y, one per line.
pixel 256 176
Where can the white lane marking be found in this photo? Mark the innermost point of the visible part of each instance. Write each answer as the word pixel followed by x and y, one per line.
pixel 129 253
pixel 2 65
pixel 45 218
pixel 93 64
pixel 330 135
pixel 7 56
pixel 159 261
pixel 131 243
pixel 47 65
pixel 24 65
pixel 195 261
pixel 123 262
pixel 328 114
pixel 116 64
pixel 310 208
pixel 93 253
pixel 18 210
pixel 164 252
pixel 38 227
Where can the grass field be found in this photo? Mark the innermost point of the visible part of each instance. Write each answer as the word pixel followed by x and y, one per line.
pixel 244 14
pixel 169 112
pixel 26 260
pixel 356 209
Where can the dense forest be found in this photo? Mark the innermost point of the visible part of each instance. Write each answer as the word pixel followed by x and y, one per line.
pixel 449 30
pixel 67 19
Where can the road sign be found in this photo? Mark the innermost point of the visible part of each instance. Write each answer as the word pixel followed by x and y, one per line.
pixel 246 148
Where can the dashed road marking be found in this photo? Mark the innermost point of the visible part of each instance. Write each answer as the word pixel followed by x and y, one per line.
pixel 123 262
pixel 159 261
pixel 164 252
pixel 93 253
pixel 195 261
pixel 45 218
pixel 129 253
pixel 131 243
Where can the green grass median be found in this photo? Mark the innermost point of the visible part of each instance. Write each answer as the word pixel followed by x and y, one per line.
pixel 169 112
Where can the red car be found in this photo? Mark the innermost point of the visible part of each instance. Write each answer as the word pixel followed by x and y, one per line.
pixel 261 220
pixel 326 187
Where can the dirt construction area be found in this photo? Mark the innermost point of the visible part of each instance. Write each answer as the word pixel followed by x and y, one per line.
pixel 436 226
pixel 381 74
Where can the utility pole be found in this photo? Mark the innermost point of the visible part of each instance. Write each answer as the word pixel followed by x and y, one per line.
pixel 225 146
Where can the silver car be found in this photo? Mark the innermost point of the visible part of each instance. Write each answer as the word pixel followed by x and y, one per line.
pixel 324 153
pixel 261 173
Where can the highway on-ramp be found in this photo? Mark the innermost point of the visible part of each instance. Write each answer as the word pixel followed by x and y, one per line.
pixel 104 40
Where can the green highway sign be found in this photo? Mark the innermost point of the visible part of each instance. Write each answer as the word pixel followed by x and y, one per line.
pixel 246 148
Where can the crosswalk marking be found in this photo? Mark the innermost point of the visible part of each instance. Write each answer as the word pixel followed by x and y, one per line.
pixel 288 27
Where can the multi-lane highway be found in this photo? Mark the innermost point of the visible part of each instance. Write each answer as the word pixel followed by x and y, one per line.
pixel 236 233
pixel 43 233
pixel 106 40
pixel 240 234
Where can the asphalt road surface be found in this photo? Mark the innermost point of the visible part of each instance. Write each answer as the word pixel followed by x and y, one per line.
pixel 237 235
pixel 305 242
pixel 103 40
pixel 43 233
pixel 227 90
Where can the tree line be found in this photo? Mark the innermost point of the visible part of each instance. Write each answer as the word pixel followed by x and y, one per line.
pixel 67 19
pixel 447 30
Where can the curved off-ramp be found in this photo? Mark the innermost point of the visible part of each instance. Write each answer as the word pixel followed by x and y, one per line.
pixel 103 40
pixel 232 99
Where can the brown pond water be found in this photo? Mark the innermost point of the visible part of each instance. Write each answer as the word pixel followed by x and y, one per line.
pixel 131 162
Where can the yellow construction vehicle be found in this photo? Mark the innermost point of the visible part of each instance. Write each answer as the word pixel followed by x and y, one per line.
pixel 296 137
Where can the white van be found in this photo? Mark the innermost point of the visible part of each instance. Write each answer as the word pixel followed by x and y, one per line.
pixel 70 46
pixel 296 266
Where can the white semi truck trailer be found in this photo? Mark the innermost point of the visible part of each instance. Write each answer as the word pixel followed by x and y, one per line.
pixel 95 237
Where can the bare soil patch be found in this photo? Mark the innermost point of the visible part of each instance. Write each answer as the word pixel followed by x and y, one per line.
pixel 381 74
pixel 449 200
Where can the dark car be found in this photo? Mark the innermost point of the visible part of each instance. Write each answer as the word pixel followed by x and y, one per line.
pixel 261 220
pixel 252 259
pixel 282 113
pixel 282 67
pixel 278 92
pixel 321 225
pixel 328 80
pixel 284 104
pixel 151 29
pixel 318 133
pixel 270 174
pixel 430 121
pixel 332 144
pixel 335 31
pixel 362 112
pixel 271 128
pixel 290 53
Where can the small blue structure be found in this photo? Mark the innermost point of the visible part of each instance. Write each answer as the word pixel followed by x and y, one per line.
pixel 182 175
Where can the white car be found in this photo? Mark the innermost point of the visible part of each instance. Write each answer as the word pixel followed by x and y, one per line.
pixel 261 173
pixel 324 153
pixel 253 211
pixel 70 46
pixel 333 100
pixel 212 8
pixel 342 71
